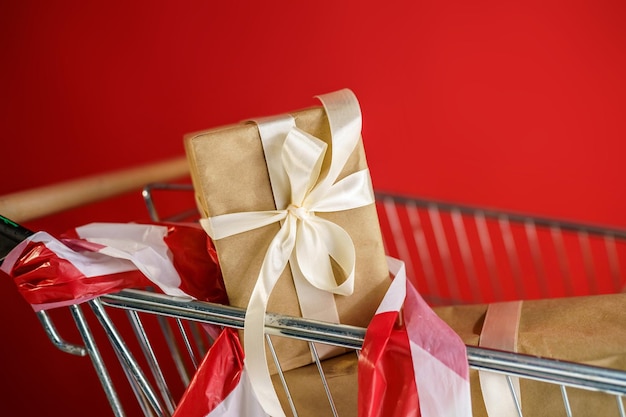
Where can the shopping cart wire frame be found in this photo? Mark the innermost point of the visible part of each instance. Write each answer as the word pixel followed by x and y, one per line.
pixel 405 222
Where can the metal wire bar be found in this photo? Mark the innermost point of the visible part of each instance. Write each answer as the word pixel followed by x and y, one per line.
pixel 151 359
pixel 197 338
pixel 559 246
pixel 128 361
pixel 391 210
pixel 56 338
pixel 552 371
pixel 516 364
pixel 568 407
pixel 187 342
pixel 423 251
pixel 168 334
pixel 516 400
pixel 466 255
pixel 324 382
pixel 511 251
pixel 281 375
pixel 149 199
pixel 96 360
pixel 146 409
pixel 490 259
pixel 585 247
pixel 611 251
pixel 444 252
pixel 350 337
pixel 535 251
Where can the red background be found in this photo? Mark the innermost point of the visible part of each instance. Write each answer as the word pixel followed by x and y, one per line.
pixel 514 105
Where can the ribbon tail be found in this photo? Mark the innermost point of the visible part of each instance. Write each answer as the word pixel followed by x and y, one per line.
pixel 225 225
pixel 273 265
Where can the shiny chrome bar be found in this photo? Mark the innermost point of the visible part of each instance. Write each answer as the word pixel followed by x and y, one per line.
pixel 309 330
pixel 553 371
pixel 541 369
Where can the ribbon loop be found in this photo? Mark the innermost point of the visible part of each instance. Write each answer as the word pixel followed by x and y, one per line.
pixel 353 191
pixel 326 237
pixel 302 157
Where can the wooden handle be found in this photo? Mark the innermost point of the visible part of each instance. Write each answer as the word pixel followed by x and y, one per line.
pixel 31 204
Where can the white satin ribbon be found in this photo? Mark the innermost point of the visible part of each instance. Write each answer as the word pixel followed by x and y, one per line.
pixel 500 331
pixel 311 239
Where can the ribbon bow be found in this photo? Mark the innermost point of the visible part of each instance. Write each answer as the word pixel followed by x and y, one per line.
pixel 305 238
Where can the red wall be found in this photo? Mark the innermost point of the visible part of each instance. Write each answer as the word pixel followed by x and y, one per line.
pixel 516 106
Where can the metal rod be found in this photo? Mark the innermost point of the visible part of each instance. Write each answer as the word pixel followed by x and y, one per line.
pixel 281 375
pixel 559 246
pixel 488 254
pixel 341 335
pixel 135 388
pixel 168 334
pixel 96 360
pixel 148 198
pixel 511 251
pixel 118 344
pixel 423 251
pixel 611 251
pixel 570 374
pixel 397 232
pixel 151 358
pixel 187 342
pixel 323 376
pixel 466 255
pixel 535 251
pixel 196 336
pixel 585 247
pixel 56 338
pixel 568 407
pixel 516 400
pixel 542 369
pixel 444 252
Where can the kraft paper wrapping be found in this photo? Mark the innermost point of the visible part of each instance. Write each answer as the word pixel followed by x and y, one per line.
pixel 309 395
pixel 589 330
pixel 230 175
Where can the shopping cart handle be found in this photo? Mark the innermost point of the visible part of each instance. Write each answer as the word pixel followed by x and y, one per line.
pixel 11 234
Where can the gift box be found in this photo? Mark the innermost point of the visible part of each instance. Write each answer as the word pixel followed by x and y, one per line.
pixel 588 330
pixel 231 169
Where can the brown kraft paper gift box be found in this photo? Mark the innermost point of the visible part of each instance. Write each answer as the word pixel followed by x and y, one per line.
pixel 589 330
pixel 230 175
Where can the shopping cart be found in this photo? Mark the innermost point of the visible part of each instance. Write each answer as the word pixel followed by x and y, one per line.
pixel 455 255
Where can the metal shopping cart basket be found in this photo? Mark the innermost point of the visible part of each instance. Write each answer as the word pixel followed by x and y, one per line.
pixel 455 254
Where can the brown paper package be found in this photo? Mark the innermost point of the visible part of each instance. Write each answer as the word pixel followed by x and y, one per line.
pixel 589 330
pixel 308 393
pixel 229 174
